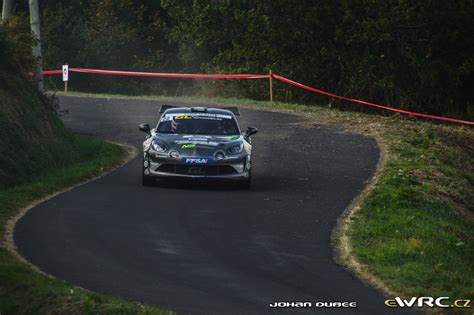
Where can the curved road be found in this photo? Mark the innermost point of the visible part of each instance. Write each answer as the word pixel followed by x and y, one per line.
pixel 207 248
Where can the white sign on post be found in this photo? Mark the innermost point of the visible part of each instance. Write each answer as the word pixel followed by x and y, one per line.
pixel 65 72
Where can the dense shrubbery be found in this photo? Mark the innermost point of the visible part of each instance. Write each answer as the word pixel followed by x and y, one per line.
pixel 418 54
pixel 33 140
pixel 414 54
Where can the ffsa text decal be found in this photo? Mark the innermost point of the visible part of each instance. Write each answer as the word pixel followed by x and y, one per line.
pixel 319 304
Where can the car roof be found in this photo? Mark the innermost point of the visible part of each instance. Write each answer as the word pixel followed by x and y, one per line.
pixel 210 110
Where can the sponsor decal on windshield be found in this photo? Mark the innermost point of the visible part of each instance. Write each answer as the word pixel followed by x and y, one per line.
pixel 230 138
pixel 196 142
pixel 181 116
pixel 197 137
pixel 188 146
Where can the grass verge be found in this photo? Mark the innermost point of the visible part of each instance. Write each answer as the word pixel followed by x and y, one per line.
pixel 412 232
pixel 25 291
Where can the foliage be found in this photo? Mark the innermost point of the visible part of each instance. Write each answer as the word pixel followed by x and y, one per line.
pixel 25 291
pixel 412 54
pixel 418 54
pixel 33 137
pixel 414 230
pixel 16 41
pixel 38 157
pixel 119 35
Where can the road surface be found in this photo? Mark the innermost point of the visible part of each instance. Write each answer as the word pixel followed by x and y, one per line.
pixel 208 248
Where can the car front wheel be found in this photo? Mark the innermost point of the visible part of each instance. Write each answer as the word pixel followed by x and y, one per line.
pixel 245 184
pixel 146 179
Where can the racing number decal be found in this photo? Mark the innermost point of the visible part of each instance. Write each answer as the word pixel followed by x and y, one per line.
pixel 182 117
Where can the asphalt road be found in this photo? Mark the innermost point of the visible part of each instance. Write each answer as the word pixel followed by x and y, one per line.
pixel 208 248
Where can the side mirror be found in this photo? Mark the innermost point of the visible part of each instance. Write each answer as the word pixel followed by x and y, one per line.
pixel 145 128
pixel 251 131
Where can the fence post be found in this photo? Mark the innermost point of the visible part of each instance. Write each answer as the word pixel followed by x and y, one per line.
pixel 65 76
pixel 7 10
pixel 36 47
pixel 271 86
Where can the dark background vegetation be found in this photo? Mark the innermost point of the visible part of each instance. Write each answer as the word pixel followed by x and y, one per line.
pixel 418 55
pixel 32 138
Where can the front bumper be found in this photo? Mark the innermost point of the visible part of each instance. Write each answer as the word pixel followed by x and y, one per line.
pixel 236 168
pixel 242 176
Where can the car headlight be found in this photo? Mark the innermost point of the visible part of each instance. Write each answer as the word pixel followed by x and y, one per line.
pixel 174 154
pixel 158 147
pixel 146 145
pixel 236 148
pixel 219 155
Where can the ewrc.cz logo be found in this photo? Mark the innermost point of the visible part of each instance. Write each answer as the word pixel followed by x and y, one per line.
pixel 428 301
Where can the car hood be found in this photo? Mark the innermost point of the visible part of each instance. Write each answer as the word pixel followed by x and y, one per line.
pixel 197 145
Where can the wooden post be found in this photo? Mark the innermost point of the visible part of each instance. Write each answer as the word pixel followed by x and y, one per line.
pixel 35 30
pixel 65 76
pixel 271 86
pixel 6 10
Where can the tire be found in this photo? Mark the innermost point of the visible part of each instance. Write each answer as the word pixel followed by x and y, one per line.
pixel 161 182
pixel 246 184
pixel 146 180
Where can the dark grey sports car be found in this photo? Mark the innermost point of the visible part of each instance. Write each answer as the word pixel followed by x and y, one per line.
pixel 197 142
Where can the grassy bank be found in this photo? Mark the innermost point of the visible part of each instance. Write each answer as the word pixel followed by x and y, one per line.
pixel 39 156
pixel 415 230
pixel 412 233
pixel 25 291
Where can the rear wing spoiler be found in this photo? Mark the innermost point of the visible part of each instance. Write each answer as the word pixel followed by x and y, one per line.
pixel 234 110
pixel 163 108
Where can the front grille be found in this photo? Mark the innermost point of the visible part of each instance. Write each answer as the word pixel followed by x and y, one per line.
pixel 167 168
pixel 203 170
pixel 226 169
pixel 207 170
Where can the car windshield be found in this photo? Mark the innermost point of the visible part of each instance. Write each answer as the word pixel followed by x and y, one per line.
pixel 198 123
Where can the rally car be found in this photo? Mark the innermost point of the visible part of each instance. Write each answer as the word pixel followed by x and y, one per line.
pixel 197 143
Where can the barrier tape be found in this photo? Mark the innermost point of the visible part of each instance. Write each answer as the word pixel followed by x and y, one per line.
pixel 253 76
pixel 288 81
pixel 46 72
pixel 172 75
pixel 160 75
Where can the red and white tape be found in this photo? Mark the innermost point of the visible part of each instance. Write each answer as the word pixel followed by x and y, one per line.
pixel 401 111
pixel 171 75
pixel 254 76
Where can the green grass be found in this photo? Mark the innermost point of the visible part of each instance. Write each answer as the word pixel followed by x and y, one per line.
pixel 414 230
pixel 25 291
